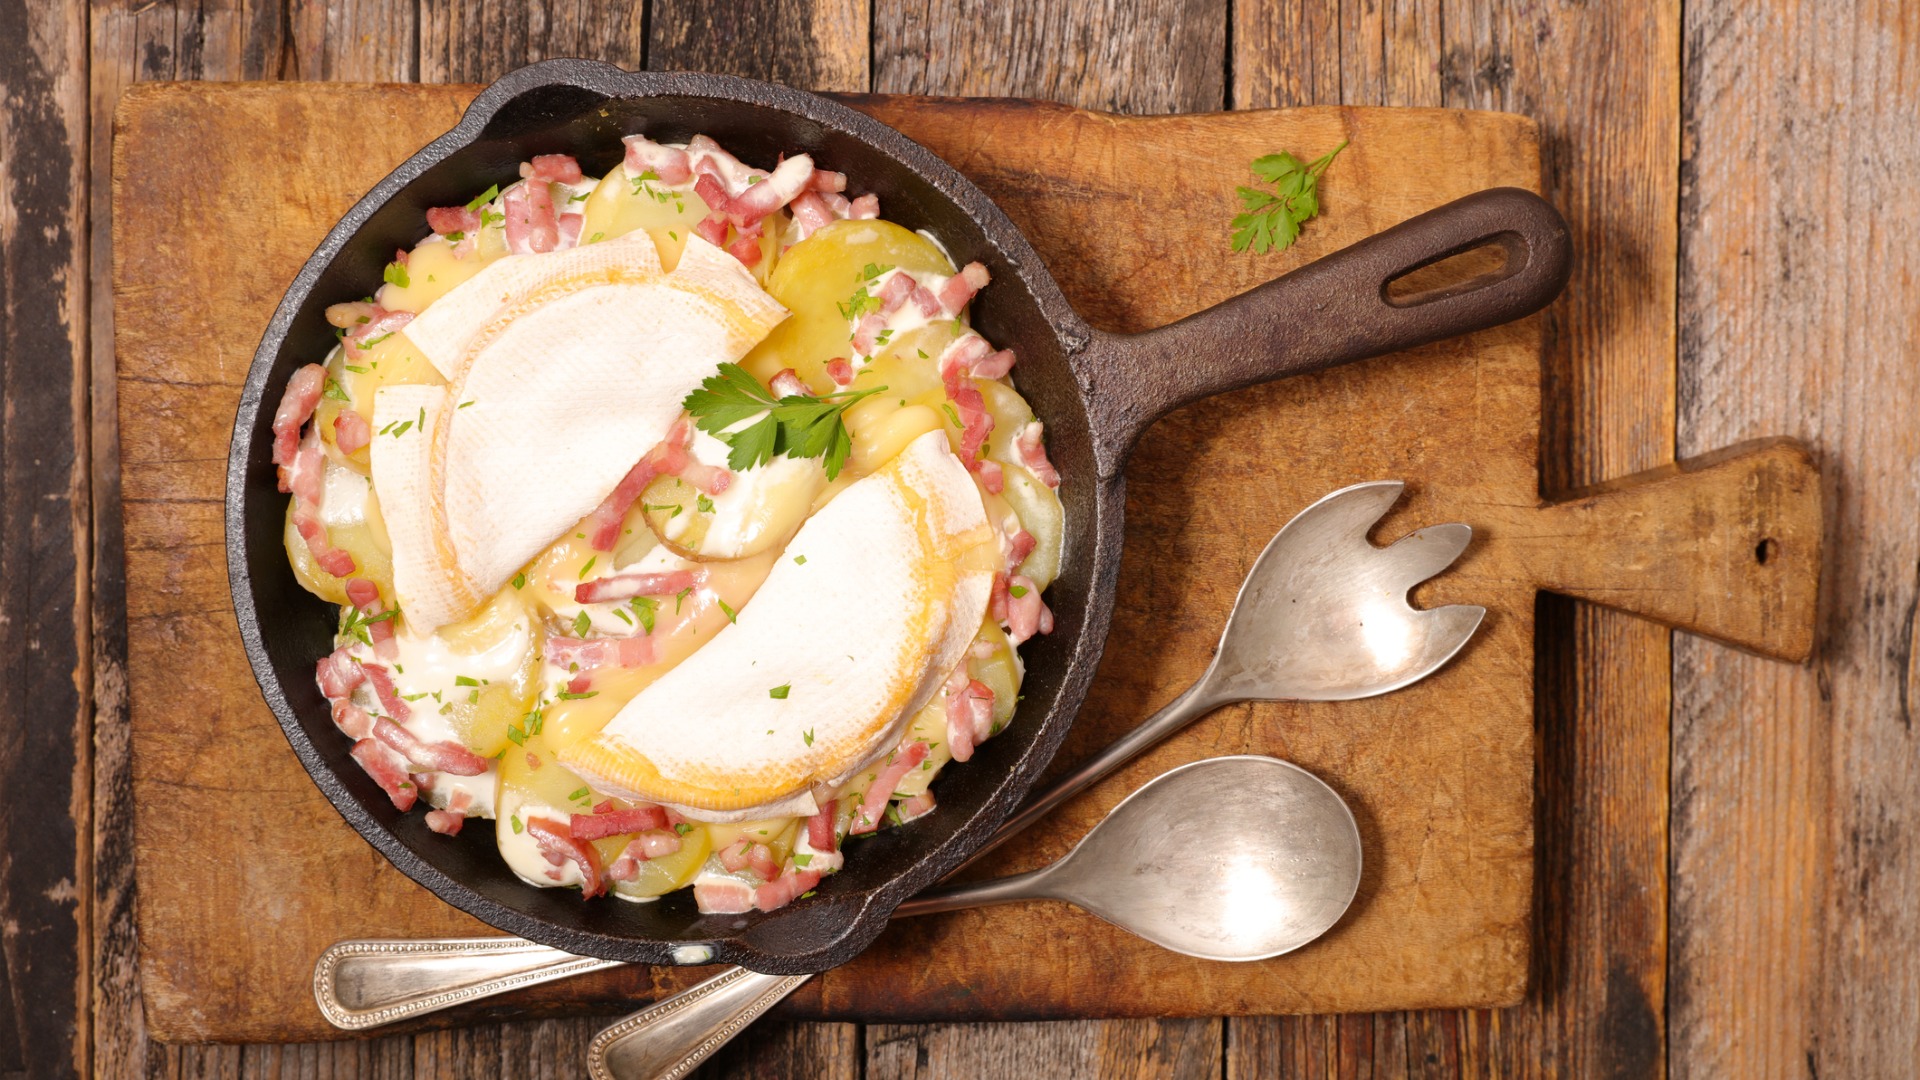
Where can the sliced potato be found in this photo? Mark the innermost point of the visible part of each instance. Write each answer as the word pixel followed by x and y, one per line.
pixel 622 203
pixel 657 877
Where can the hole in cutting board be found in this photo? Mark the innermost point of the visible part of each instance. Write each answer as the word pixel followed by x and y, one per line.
pixel 1453 274
pixel 1765 550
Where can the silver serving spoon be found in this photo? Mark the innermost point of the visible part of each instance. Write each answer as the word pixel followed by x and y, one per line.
pixel 1273 865
pixel 1323 616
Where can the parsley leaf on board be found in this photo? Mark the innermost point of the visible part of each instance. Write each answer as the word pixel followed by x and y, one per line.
pixel 796 425
pixel 1271 220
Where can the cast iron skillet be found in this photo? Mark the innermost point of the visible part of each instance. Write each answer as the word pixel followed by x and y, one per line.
pixel 1096 392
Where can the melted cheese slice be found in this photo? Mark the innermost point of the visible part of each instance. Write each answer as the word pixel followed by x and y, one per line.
pixel 558 393
pixel 868 610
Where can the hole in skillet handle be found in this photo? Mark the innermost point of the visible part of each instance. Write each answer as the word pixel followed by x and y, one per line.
pixel 1451 275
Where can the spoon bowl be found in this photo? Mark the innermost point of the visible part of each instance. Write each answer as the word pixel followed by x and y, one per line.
pixel 1272 865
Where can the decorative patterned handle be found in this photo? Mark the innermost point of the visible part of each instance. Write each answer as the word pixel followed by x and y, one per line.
pixel 668 1040
pixel 363 984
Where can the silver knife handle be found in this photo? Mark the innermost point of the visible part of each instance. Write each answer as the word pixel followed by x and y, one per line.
pixel 670 1039
pixel 363 984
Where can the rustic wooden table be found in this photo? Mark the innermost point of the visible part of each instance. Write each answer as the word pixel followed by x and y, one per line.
pixel 1725 844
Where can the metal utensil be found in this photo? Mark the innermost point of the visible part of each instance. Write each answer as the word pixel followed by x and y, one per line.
pixel 1322 616
pixel 1272 866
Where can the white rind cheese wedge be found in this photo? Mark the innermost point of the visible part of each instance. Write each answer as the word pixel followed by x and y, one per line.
pixel 865 614
pixel 556 398
pixel 402 476
pixel 446 330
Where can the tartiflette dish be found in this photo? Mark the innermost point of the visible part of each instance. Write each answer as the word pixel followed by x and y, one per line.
pixel 680 524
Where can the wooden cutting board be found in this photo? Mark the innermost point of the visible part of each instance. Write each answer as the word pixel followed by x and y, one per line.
pixel 246 873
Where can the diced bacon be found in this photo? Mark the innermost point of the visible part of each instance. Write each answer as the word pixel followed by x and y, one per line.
pixel 756 201
pixel 976 422
pixel 351 432
pixel 840 371
pixel 999 599
pixel 1019 546
pixel 353 313
pixel 994 365
pixel 837 203
pixel 623 868
pixel 567 652
pixel 656 843
pixel 623 586
pixel 305 479
pixel 784 889
pixel 669 163
pixel 669 456
pixel 352 720
pixel 383 688
pixel 1027 614
pixel 961 287
pixel 820 835
pixel 787 383
pixel 864 208
pixel 734 855
pixel 366 335
pixel 899 286
pixel 760 861
pixel 364 594
pixel 570 226
pixel 533 761
pixel 599 826
pixel 713 229
pixel 726 897
pixel 554 169
pixel 712 479
pixel 447 220
pixel 867 817
pixel 296 406
pixel 580 683
pixel 823 180
pixel 339 674
pixel 747 250
pixel 714 194
pixel 928 303
pixel 917 807
pixel 449 820
pixel 387 770
pixel 960 357
pixel 531 225
pixel 810 214
pixel 558 846
pixel 992 476
pixel 866 333
pixel 711 158
pixel 447 757
pixel 400 255
pixel 969 713
pixel 1033 454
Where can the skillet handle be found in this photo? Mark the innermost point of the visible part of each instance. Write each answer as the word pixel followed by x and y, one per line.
pixel 1330 312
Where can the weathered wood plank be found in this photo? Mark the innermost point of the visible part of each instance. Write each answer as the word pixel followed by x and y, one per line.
pixel 812 44
pixel 1070 1050
pixel 481 40
pixel 1127 56
pixel 1796 790
pixel 45 636
pixel 1602 681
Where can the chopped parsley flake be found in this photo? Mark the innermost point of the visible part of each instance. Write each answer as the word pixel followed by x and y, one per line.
pixel 860 304
pixel 808 736
pixel 682 828
pixel 569 696
pixel 643 608
pixel 1018 591
pixel 581 793
pixel 679 596
pixel 672 510
pixel 732 616
pixel 372 341
pixel 520 580
pixel 871 271
pixel 799 560
pixel 779 693
pixel 703 504
pixel 356 369
pixel 802 860
pixel 465 680
pixel 484 197
pixel 463 404
pixel 515 819
pixel 587 568
pixel 954 417
pixel 621 614
pixel 596 238
pixel 581 624
pixel 395 274
pixel 335 391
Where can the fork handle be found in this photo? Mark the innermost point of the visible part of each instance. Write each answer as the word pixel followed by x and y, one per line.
pixel 669 1039
pixel 1200 699
pixel 363 984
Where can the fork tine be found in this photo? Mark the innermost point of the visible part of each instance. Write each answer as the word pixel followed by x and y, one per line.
pixel 1423 553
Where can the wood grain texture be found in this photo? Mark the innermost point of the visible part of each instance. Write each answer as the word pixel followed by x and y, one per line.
pixel 45 543
pixel 1115 1049
pixel 1132 56
pixel 1796 791
pixel 479 40
pixel 812 44
pixel 1602 81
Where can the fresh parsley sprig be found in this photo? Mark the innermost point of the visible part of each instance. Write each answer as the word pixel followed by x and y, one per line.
pixel 796 425
pixel 1272 219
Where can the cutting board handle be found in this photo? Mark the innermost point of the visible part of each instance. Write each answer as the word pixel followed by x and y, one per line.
pixel 1333 311
pixel 1726 545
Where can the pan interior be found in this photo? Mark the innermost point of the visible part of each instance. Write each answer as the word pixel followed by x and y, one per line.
pixel 581 109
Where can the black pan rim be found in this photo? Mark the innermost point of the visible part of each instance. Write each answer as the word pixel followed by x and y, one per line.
pixel 1099 548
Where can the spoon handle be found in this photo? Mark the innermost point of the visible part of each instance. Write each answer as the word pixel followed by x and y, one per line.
pixel 1199 700
pixel 363 984
pixel 669 1039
